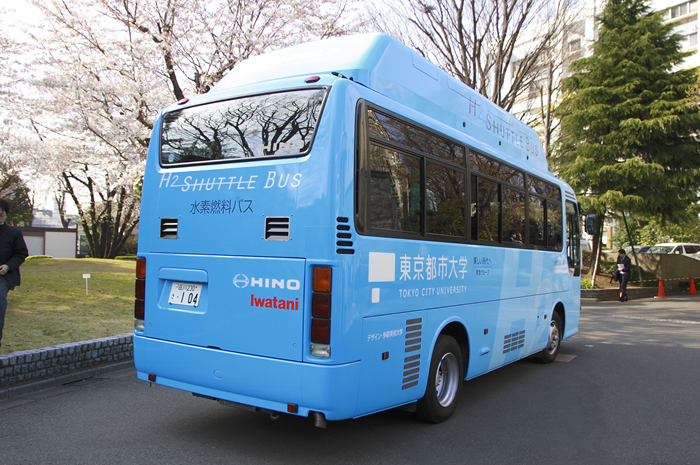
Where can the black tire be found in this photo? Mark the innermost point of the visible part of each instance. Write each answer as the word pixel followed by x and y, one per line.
pixel 549 353
pixel 445 381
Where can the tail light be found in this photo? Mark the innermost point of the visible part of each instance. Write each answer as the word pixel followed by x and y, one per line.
pixel 140 295
pixel 321 311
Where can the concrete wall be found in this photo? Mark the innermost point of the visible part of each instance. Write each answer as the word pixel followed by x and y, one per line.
pixel 35 244
pixel 672 269
pixel 633 293
pixel 61 244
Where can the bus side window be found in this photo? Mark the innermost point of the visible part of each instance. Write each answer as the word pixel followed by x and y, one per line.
pixel 395 200
pixel 444 195
pixel 554 225
pixel 513 215
pixel 488 210
pixel 536 218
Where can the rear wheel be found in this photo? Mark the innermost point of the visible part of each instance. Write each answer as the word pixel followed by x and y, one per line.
pixel 444 382
pixel 549 353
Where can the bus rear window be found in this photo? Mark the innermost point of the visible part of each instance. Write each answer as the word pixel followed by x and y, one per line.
pixel 279 124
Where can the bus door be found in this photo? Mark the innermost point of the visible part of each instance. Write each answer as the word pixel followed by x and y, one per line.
pixel 573 239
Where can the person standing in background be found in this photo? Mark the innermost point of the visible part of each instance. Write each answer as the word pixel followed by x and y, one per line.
pixel 13 251
pixel 624 266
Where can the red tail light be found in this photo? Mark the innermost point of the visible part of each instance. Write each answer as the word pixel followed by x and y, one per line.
pixel 321 310
pixel 140 291
pixel 140 294
pixel 320 331
pixel 139 309
pixel 321 305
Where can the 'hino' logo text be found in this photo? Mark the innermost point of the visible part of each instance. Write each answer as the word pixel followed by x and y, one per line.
pixel 241 281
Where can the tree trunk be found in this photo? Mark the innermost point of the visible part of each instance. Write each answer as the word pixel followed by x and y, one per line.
pixel 595 253
pixel 634 253
pixel 110 218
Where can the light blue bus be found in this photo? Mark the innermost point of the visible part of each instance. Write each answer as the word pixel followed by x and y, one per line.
pixel 340 228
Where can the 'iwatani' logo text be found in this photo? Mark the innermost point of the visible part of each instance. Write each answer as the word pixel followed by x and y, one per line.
pixel 274 302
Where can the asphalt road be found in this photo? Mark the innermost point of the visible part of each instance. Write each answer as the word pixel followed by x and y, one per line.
pixel 626 390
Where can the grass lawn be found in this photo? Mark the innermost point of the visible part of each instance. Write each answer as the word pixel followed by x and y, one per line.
pixel 50 307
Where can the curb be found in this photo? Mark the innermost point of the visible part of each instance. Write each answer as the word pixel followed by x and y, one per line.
pixel 58 381
pixel 33 370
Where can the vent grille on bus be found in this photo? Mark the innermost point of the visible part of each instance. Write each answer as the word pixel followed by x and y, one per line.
pixel 277 228
pixel 344 237
pixel 513 341
pixel 411 362
pixel 168 228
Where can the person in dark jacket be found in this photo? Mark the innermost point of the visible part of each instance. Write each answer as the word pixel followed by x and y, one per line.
pixel 13 251
pixel 624 266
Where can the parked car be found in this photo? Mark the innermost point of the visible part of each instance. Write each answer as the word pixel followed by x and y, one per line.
pixel 637 249
pixel 676 248
pixel 696 256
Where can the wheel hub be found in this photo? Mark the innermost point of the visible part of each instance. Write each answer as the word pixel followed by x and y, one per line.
pixel 553 338
pixel 447 379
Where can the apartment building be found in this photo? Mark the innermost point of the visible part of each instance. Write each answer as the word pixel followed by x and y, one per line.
pixel 578 36
pixel 576 40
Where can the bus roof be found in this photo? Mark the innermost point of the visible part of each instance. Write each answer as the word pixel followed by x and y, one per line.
pixel 383 64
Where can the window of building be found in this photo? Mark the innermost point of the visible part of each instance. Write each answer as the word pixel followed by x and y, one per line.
pixel 579 27
pixel 684 9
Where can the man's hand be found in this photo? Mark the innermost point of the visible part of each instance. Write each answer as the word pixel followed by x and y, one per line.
pixel 4 269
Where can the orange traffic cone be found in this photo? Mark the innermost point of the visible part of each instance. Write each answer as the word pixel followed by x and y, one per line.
pixel 661 289
pixel 692 286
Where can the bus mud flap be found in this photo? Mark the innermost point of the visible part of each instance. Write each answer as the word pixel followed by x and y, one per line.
pixel 319 420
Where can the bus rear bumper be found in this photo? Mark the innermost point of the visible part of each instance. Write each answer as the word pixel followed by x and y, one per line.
pixel 261 382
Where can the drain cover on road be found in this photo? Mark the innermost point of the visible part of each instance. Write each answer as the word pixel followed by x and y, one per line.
pixel 566 358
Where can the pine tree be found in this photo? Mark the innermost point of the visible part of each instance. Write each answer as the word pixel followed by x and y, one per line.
pixel 629 121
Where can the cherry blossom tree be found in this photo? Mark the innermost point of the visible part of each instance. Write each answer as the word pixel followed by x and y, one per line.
pixel 87 86
pixel 497 47
pixel 201 41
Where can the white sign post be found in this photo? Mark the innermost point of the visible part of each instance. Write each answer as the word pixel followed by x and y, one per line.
pixel 86 276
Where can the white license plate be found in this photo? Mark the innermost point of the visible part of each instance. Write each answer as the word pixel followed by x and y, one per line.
pixel 185 294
